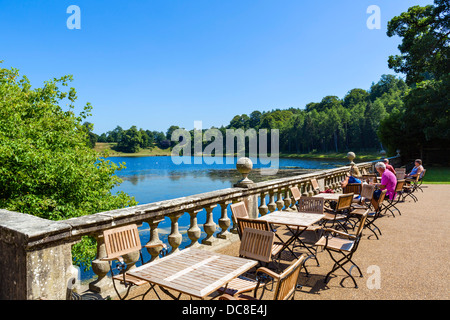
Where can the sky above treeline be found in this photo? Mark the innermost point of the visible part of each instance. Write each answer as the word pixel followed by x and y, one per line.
pixel 159 63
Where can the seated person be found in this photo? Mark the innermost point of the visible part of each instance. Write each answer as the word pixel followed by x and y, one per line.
pixel 416 171
pixel 388 166
pixel 352 176
pixel 388 182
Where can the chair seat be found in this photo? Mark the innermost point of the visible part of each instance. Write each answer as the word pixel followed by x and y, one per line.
pixel 359 211
pixel 131 279
pixel 314 227
pixel 239 285
pixel 328 216
pixel 336 243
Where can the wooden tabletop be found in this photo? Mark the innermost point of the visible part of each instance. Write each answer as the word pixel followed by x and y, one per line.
pixel 194 272
pixel 330 196
pixel 292 218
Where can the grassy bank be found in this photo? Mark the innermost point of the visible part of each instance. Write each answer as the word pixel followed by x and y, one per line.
pixel 148 152
pixel 437 175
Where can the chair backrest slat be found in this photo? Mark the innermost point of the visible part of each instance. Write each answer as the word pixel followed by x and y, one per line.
pixel 257 244
pixel 399 186
pixel 288 280
pixel 315 184
pixel 122 240
pixel 352 188
pixel 344 202
pixel 311 205
pixel 244 223
pixel 295 193
pixel 238 210
pixel 367 191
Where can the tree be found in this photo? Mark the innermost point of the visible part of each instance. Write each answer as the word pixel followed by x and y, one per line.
pixel 131 140
pixel 92 137
pixel 47 169
pixel 425 46
pixel 424 117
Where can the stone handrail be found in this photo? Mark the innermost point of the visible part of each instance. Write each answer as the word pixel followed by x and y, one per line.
pixel 35 253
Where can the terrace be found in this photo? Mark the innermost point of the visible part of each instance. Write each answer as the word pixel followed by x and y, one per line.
pixel 410 257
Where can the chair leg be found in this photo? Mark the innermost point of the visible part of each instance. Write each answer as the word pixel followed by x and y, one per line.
pixel 338 264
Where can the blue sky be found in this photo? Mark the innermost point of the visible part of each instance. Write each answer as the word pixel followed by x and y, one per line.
pixel 158 63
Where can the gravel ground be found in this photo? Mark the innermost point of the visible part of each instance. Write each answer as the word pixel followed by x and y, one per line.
pixel 411 257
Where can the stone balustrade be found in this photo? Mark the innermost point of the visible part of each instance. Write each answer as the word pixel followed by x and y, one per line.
pixel 35 253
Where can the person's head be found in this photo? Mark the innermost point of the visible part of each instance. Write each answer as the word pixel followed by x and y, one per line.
pixel 418 162
pixel 386 161
pixel 380 167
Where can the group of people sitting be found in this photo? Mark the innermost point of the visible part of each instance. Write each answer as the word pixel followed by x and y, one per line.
pixel 388 177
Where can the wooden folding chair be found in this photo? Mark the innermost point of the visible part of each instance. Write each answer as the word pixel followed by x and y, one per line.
pixel 315 185
pixel 392 204
pixel 296 195
pixel 339 214
pixel 400 173
pixel 287 283
pixel 312 205
pixel 344 244
pixel 365 200
pixel 375 213
pixel 257 244
pixel 119 242
pixel 354 188
pixel 238 210
pixel 246 223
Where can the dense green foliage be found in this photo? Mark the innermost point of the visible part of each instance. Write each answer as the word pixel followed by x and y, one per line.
pixel 424 119
pixel 47 166
pixel 333 124
pixel 132 140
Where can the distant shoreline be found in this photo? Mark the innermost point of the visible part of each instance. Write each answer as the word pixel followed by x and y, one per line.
pixel 157 152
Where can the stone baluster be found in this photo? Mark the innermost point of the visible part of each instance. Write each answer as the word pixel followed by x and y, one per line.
pixel 303 189
pixel 175 236
pixel 224 221
pixel 263 209
pixel 272 205
pixel 287 198
pixel 100 268
pixel 209 226
pixel 154 238
pixel 280 202
pixel 194 231
pixel 310 190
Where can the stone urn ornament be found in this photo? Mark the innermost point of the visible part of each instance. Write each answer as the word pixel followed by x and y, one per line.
pixel 244 165
pixel 351 156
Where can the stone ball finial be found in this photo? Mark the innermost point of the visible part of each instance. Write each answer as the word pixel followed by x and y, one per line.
pixel 244 165
pixel 350 156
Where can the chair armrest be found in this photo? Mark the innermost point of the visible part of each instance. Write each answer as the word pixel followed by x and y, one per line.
pixel 350 236
pixel 154 245
pixel 112 258
pixel 269 272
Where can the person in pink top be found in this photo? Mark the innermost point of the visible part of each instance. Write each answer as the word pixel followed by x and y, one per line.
pixel 388 180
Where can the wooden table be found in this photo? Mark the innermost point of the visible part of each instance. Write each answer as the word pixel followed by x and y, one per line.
pixel 300 220
pixel 194 272
pixel 329 196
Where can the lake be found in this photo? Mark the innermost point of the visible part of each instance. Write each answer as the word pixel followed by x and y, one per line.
pixel 151 179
